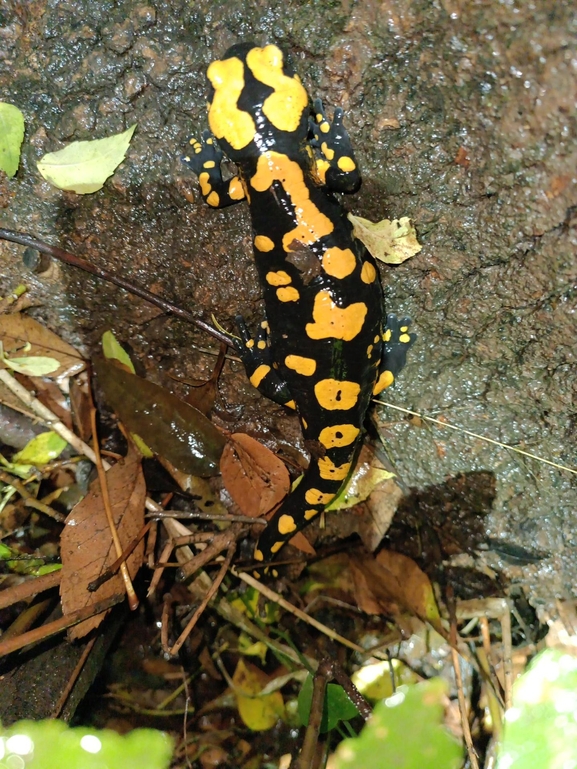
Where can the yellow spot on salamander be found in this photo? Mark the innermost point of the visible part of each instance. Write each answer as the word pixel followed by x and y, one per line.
pixel 213 199
pixel 325 127
pixel 280 278
pixel 369 350
pixel 290 405
pixel 284 107
pixel 376 339
pixel 261 344
pixel 286 524
pixel 385 380
pixel 368 273
pixel 262 243
pixel 337 436
pixel 333 394
pixel 339 262
pixel 311 223
pixel 346 164
pixel 258 555
pixel 235 189
pixel 259 374
pixel 289 294
pixel 405 338
pixel 276 547
pixel 250 344
pixel 327 151
pixel 322 166
pixel 316 497
pixel 304 423
pixel 332 322
pixel 387 335
pixel 226 120
pixel 331 472
pixel 209 164
pixel 303 366
pixel 404 329
pixel 311 514
pixel 204 182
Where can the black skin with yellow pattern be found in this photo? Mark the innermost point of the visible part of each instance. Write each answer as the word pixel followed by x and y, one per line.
pixel 325 347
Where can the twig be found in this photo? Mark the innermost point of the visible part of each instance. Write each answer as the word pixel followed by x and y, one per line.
pixel 30 588
pixel 211 592
pixel 479 437
pixel 311 738
pixel 207 517
pixel 29 499
pixel 58 708
pixel 24 239
pixel 130 593
pixel 52 628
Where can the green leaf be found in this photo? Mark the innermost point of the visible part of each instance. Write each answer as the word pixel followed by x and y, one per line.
pixel 52 745
pixel 11 137
pixel 404 732
pixel 112 348
pixel 391 241
pixel 337 707
pixel 541 729
pixel 83 167
pixel 40 450
pixel 171 427
pixel 32 365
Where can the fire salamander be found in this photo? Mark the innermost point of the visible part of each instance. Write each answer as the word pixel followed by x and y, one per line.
pixel 325 347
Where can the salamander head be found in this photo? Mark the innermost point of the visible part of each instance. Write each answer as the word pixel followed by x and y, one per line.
pixel 257 102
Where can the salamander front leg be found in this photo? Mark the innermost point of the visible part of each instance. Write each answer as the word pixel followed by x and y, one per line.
pixel 255 354
pixel 204 158
pixel 397 340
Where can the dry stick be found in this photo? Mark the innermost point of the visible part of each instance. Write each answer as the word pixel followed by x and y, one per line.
pixel 73 678
pixel 277 598
pixel 113 568
pixel 52 628
pixel 310 742
pixel 476 435
pixel 130 593
pixel 24 239
pixel 30 588
pixel 29 499
pixel 210 593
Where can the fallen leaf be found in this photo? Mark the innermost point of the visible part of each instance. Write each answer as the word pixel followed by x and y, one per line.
pixel 171 427
pixel 86 543
pixel 40 450
pixel 11 137
pixel 33 365
pixel 21 336
pixel 258 713
pixel 391 579
pixel 255 478
pixel 391 240
pixel 369 473
pixel 111 348
pixel 83 167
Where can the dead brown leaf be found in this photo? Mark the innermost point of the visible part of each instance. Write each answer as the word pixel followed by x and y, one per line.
pixel 255 478
pixel 17 331
pixel 86 543
pixel 391 582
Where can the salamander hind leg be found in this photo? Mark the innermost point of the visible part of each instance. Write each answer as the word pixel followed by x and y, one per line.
pixel 254 352
pixel 397 340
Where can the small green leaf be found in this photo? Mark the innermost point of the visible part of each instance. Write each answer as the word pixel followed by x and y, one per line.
pixel 40 450
pixel 391 241
pixel 540 728
pixel 83 167
pixel 32 365
pixel 53 745
pixel 405 731
pixel 11 137
pixel 112 348
pixel 337 707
